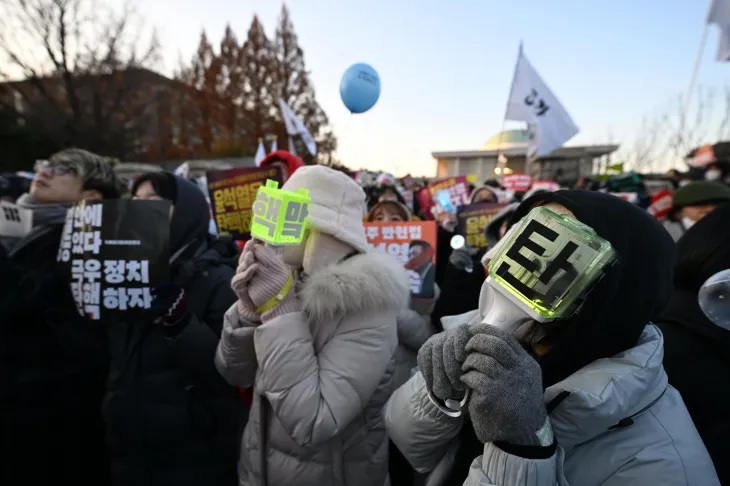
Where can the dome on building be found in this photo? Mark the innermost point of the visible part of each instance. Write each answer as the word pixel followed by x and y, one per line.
pixel 507 139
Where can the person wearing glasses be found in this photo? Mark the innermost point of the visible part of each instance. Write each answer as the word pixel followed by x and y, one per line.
pixel 53 362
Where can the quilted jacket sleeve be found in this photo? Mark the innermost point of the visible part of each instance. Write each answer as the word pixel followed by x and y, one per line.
pixel 498 468
pixel 420 430
pixel 316 395
pixel 235 357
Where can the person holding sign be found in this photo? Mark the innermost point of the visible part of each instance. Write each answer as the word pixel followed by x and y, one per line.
pixel 314 331
pixel 171 419
pixel 560 367
pixel 53 362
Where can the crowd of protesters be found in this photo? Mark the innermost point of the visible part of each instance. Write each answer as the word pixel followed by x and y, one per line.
pixel 314 364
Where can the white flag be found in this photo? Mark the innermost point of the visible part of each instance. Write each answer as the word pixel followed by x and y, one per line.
pixel 294 126
pixel 719 15
pixel 260 153
pixel 532 102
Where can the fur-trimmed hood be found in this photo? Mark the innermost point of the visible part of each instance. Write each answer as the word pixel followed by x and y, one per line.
pixel 371 282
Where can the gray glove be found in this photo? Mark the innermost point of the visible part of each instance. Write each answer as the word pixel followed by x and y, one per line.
pixel 440 360
pixel 462 258
pixel 506 402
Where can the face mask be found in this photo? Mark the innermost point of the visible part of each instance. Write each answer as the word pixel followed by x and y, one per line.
pixel 713 175
pixel 687 223
pixel 684 183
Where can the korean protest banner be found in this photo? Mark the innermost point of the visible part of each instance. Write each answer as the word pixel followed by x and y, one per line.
pixel 232 194
pixel 473 220
pixel 517 182
pixel 457 188
pixel 425 203
pixel 115 252
pixel 412 243
pixel 661 204
pixel 546 185
pixel 15 222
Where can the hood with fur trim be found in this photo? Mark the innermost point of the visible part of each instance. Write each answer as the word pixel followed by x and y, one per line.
pixel 366 283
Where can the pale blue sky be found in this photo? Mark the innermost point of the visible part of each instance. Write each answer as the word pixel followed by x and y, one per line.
pixel 446 67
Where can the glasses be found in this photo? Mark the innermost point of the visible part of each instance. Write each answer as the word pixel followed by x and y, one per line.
pixel 54 168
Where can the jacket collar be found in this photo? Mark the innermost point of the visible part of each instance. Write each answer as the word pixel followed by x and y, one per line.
pixel 609 391
pixel 366 283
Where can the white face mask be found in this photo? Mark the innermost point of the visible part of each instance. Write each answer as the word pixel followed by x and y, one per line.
pixel 687 223
pixel 713 175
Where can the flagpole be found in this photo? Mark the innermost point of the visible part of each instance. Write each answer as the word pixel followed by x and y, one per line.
pixel 506 108
pixel 695 72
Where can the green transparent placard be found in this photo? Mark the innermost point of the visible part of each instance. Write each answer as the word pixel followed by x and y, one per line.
pixel 280 217
pixel 549 261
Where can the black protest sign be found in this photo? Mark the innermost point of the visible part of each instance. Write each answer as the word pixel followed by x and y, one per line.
pixel 473 220
pixel 115 252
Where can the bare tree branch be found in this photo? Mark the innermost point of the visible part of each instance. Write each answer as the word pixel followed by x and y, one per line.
pixel 669 134
pixel 81 59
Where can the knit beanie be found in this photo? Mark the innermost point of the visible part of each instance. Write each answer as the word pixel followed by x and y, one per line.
pixel 700 193
pixel 337 206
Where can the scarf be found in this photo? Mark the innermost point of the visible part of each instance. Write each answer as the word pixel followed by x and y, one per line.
pixel 45 216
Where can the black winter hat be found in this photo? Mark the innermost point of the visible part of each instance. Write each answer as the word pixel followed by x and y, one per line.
pixel 699 193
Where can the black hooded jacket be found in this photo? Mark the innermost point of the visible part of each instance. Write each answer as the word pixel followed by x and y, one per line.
pixel 171 418
pixel 53 365
pixel 635 290
pixel 696 351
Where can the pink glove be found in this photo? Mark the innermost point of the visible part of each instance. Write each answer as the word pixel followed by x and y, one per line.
pixel 262 276
pixel 247 267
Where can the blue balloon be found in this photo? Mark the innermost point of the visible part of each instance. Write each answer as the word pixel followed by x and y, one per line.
pixel 360 88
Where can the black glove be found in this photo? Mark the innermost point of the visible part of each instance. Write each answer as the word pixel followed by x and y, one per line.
pixel 463 258
pixel 440 360
pixel 169 305
pixel 506 403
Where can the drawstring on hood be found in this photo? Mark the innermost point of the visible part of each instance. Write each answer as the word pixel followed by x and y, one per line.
pixel 635 290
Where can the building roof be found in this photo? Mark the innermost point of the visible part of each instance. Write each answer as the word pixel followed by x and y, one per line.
pixel 513 143
pixel 507 139
pixel 561 153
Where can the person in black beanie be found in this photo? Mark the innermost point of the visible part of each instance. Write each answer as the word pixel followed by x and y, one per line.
pixel 582 400
pixel 692 203
pixel 695 349
pixel 170 416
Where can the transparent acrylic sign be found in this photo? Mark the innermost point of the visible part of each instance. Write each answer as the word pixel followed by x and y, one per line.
pixel 714 299
pixel 280 217
pixel 549 262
